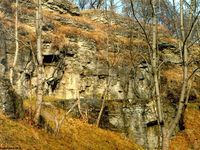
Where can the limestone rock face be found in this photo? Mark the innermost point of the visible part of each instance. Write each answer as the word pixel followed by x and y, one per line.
pixel 2 70
pixel 63 6
pixel 10 103
pixel 75 51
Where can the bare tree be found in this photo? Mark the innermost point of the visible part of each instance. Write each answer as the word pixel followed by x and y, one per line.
pixel 107 85
pixel 16 44
pixel 96 4
pixel 166 130
pixel 155 69
pixel 39 62
pixel 185 38
pixel 82 4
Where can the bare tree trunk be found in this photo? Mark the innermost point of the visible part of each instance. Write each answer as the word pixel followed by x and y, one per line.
pixel 16 44
pixel 99 3
pixel 188 91
pixel 156 72
pixel 104 98
pixel 155 66
pixel 102 108
pixel 165 139
pixel 185 87
pixel 192 11
pixel 175 121
pixel 185 74
pixel 104 95
pixel 40 62
pixel 167 131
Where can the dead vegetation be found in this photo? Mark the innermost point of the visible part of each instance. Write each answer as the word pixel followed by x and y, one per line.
pixel 189 138
pixel 74 133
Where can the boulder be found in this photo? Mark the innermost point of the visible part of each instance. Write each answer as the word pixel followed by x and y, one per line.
pixel 11 104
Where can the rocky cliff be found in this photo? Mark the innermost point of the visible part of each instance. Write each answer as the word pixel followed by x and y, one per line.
pixel 95 55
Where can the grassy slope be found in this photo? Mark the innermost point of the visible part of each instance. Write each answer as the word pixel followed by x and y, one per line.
pixel 189 138
pixel 76 135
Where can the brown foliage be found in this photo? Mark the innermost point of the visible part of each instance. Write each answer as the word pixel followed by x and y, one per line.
pixel 190 137
pixel 74 134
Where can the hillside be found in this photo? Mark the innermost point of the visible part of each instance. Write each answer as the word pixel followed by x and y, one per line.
pixel 102 62
pixel 75 134
pixel 189 138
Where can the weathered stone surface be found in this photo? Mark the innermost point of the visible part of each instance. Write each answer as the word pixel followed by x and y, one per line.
pixel 63 6
pixel 137 121
pixel 74 67
pixel 10 103
pixel 74 23
pixel 170 56
pixel 2 70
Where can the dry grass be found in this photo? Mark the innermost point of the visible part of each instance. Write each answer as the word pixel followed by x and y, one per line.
pixel 74 134
pixel 79 19
pixel 173 74
pixel 134 42
pixel 26 27
pixel 99 34
pixel 190 137
pixel 162 29
pixel 169 40
pixel 58 41
pixel 68 31
pixel 89 11
pixel 125 57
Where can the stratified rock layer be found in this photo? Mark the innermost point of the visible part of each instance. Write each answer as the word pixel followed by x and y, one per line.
pixel 63 6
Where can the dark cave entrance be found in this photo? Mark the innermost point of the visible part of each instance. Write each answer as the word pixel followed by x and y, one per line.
pixel 50 58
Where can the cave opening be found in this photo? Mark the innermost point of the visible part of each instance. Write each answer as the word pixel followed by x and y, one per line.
pixel 50 58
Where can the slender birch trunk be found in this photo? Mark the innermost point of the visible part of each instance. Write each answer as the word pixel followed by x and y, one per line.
pixel 185 73
pixel 16 44
pixel 155 65
pixel 40 62
pixel 105 94
pixel 174 122
pixel 156 72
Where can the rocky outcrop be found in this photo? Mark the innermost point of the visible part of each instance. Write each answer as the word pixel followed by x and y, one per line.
pixel 80 61
pixel 63 6
pixel 11 104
